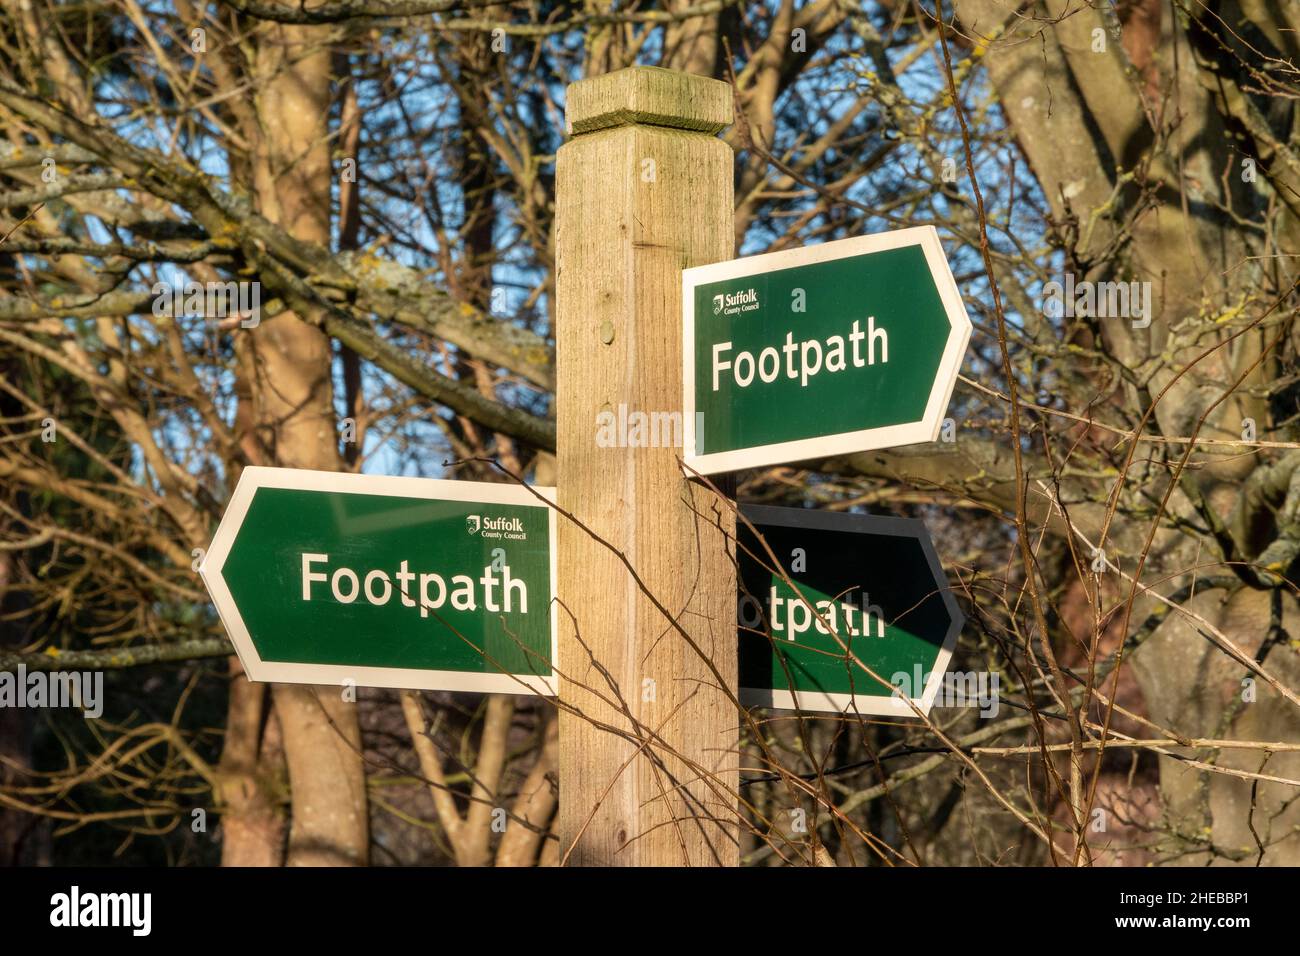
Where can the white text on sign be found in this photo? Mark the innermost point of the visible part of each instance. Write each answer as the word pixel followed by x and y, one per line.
pixel 346 585
pixel 799 616
pixel 803 360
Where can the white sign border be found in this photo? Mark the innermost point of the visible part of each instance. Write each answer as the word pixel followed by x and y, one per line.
pixel 408 678
pixel 865 704
pixel 842 443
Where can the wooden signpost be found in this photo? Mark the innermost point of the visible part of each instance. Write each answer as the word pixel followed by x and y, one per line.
pixel 625 602
pixel 649 749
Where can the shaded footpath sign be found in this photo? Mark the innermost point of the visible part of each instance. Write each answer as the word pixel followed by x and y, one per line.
pixel 419 583
pixel 875 582
pixel 826 350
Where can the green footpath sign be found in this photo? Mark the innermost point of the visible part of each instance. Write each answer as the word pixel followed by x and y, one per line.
pixel 869 592
pixel 825 350
pixel 324 578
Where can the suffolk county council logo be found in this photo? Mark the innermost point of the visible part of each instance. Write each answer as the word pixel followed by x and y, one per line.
pixel 736 303
pixel 509 527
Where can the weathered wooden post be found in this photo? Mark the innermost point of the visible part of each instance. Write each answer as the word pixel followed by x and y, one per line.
pixel 644 189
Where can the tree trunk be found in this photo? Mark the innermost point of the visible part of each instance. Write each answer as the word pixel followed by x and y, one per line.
pixel 294 405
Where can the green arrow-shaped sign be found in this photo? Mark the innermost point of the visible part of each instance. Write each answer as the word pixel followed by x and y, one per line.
pixel 868 597
pixel 325 578
pixel 820 351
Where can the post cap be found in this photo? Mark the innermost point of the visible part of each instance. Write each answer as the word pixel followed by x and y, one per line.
pixel 651 95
